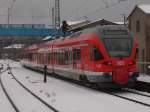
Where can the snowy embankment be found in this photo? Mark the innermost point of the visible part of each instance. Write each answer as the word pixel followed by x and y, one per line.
pixel 68 97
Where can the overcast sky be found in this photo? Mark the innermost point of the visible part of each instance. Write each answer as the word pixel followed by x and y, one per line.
pixel 39 11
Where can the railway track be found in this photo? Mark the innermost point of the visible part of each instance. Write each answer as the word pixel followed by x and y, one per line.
pixel 7 95
pixel 129 98
pixel 29 91
pixel 15 107
pixel 95 87
pixel 110 92
pixel 137 93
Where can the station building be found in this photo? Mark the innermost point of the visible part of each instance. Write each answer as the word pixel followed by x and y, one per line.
pixel 139 24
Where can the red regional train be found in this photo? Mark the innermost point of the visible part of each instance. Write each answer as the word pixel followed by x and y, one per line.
pixel 104 55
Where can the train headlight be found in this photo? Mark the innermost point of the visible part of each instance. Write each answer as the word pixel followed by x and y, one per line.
pixel 131 62
pixel 108 63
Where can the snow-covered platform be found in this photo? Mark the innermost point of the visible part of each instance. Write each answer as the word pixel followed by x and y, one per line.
pixel 65 96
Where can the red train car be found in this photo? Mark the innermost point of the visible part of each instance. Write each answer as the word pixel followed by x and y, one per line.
pixel 104 54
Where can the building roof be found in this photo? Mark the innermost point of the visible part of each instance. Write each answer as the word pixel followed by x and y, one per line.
pixel 145 8
pixel 93 24
pixel 79 23
pixel 75 22
pixel 15 46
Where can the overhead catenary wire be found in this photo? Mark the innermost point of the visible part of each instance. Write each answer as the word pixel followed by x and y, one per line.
pixel 107 6
pixel 25 16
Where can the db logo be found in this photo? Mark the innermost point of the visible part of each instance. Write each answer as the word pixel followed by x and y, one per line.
pixel 120 63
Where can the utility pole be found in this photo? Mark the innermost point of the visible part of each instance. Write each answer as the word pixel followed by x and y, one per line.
pixel 53 17
pixel 57 13
pixel 86 18
pixel 8 19
pixel 124 18
pixel 10 11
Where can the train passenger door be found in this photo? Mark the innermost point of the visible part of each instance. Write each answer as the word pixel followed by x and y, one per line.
pixel 85 58
pixel 77 58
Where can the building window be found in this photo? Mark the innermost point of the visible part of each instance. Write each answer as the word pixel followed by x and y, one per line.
pixel 137 26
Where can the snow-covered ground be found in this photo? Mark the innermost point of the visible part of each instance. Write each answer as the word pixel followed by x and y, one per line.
pixel 68 97
pixel 144 78
pixel 5 106
pixel 22 99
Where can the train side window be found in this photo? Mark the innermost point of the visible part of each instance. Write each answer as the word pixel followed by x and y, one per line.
pixel 97 55
pixel 49 56
pixel 66 57
pixel 76 54
pixel 70 57
pixel 55 57
pixel 34 57
pixel 61 57
pixel 30 56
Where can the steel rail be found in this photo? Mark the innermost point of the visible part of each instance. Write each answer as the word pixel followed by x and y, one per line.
pixel 7 95
pixel 129 99
pixel 98 89
pixel 41 100
pixel 136 93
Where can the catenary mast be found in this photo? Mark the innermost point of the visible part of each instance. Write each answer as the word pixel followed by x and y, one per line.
pixel 57 13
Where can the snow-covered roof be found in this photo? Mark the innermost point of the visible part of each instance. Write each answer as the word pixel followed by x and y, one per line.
pixel 47 38
pixel 16 46
pixel 119 23
pixel 145 8
pixel 75 22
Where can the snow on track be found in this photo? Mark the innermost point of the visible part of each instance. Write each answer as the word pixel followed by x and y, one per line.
pixel 136 91
pixel 133 96
pixel 68 97
pixel 24 101
pixel 5 105
pixel 144 78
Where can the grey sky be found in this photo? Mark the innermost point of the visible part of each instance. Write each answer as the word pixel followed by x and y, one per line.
pixel 39 11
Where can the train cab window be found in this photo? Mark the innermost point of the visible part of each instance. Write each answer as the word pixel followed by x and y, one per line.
pixel 97 55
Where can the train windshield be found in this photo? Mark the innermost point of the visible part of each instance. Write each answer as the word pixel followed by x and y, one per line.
pixel 118 47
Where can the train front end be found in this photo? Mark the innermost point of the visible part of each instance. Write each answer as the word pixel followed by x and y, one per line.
pixel 118 49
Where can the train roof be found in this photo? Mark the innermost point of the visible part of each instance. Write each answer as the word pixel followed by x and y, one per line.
pixel 99 30
pixel 104 30
pixel 80 36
